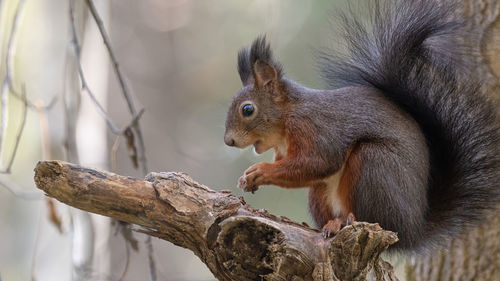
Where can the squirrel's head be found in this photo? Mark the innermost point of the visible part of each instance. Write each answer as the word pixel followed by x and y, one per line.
pixel 256 113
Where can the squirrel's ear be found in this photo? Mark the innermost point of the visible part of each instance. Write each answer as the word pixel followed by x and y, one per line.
pixel 244 66
pixel 264 74
pixel 264 68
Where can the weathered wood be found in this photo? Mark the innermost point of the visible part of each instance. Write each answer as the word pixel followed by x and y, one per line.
pixel 234 240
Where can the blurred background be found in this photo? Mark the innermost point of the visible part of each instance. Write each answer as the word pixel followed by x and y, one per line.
pixel 178 60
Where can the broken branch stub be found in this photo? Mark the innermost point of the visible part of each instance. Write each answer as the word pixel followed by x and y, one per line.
pixel 235 241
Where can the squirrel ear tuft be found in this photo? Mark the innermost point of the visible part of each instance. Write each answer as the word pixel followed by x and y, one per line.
pixel 244 66
pixel 264 68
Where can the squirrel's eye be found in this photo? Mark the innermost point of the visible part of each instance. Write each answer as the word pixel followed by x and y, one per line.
pixel 247 110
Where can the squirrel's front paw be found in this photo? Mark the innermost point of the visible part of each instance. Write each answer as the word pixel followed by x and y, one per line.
pixel 253 177
pixel 243 185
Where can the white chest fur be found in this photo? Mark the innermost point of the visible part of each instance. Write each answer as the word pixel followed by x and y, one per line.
pixel 280 150
pixel 332 193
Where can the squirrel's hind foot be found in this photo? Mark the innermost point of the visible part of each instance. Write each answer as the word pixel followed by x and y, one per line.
pixel 332 227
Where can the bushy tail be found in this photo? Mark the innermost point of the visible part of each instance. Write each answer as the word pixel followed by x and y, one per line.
pixel 413 53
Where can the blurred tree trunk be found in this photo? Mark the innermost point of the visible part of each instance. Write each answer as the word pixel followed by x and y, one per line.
pixel 87 141
pixel 91 132
pixel 81 229
pixel 477 255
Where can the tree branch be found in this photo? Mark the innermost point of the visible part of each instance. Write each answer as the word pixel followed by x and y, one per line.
pixel 234 240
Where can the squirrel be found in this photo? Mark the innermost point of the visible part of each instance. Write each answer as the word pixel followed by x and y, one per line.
pixel 403 137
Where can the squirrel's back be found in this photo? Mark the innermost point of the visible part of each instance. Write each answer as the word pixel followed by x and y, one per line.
pixel 413 53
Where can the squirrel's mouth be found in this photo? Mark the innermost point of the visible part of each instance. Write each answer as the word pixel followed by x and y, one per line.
pixel 258 147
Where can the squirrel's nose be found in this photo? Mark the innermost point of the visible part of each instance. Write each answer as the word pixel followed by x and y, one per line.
pixel 229 140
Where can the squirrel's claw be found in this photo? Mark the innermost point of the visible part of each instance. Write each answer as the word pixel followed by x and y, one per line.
pixel 252 178
pixel 243 185
pixel 332 227
pixel 350 219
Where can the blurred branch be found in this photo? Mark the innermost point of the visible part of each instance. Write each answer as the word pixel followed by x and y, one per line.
pixel 127 261
pixel 7 81
pixel 34 258
pixel 71 100
pixel 44 126
pixel 123 86
pixel 85 87
pixel 4 180
pixel 82 230
pixel 107 43
pixel 141 157
pixel 7 84
pixel 151 260
pixel 18 136
pixel 126 132
pixel 114 151
pixel 17 190
pixel 234 240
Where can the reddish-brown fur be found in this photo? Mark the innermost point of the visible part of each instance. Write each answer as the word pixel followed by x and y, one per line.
pixel 350 177
pixel 318 205
pixel 281 172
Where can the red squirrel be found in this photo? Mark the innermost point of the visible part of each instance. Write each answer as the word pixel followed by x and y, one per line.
pixel 402 137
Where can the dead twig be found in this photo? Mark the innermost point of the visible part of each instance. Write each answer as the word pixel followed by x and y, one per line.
pixel 107 43
pixel 128 135
pixel 85 87
pixel 123 86
pixel 114 151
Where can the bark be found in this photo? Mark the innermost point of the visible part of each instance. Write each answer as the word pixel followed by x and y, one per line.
pixel 234 240
pixel 476 255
